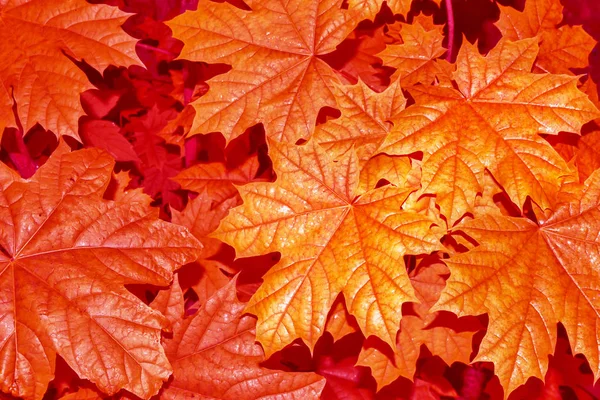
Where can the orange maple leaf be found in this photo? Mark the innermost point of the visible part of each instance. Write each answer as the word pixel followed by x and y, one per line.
pixel 214 355
pixel 83 394
pixel 528 277
pixel 365 121
pixel 66 254
pixel 414 59
pixel 339 322
pixel 491 122
pixel 560 48
pixel 277 77
pixel 368 9
pixel 428 281
pixel 584 153
pixel 216 180
pixel 214 183
pixel 394 170
pixel 37 36
pixel 331 241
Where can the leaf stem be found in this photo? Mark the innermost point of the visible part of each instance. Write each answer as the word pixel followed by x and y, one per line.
pixel 450 15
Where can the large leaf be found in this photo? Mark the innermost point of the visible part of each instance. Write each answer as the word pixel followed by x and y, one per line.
pixel 37 36
pixel 66 254
pixel 214 355
pixel 529 277
pixel 331 241
pixel 491 122
pixel 277 77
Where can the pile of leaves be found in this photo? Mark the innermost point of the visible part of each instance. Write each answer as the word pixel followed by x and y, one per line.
pixel 299 199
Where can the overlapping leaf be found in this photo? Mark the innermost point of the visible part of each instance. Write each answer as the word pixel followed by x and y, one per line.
pixel 528 277
pixel 368 9
pixel 331 241
pixel 214 355
pixel 365 121
pixel 442 341
pixel 277 77
pixel 37 36
pixel 561 48
pixel 491 122
pixel 394 170
pixel 414 59
pixel 66 254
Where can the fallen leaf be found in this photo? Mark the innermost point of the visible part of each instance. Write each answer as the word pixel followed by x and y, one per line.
pixel 331 241
pixel 214 355
pixel 66 254
pixel 38 39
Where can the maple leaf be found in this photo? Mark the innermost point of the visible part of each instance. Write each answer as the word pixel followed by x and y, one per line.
pixel 216 179
pixel 214 355
pixel 587 156
pixel 528 277
pixel 394 170
pixel 277 77
pixel 66 254
pixel 368 9
pixel 107 136
pixel 83 394
pixel 37 38
pixel 442 341
pixel 365 120
pixel 217 194
pixel 170 302
pixel 354 59
pixel 584 153
pixel 203 214
pixel 339 322
pixel 414 60
pixel 331 241
pixel 158 160
pixel 560 48
pixel 501 107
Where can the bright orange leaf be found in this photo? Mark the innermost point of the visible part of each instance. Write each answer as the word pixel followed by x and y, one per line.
pixel 214 355
pixel 414 59
pixel 37 36
pixel 394 170
pixel 331 241
pixel 368 9
pixel 491 122
pixel 585 154
pixel 560 48
pixel 203 214
pixel 339 322
pixel 375 146
pixel 83 394
pixel 277 77
pixel 66 254
pixel 365 121
pixel 528 277
pixel 442 341
pixel 216 178
pixel 170 302
pixel 214 183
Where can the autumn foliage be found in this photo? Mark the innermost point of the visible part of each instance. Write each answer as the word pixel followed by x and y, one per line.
pixel 299 199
